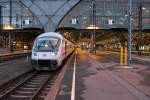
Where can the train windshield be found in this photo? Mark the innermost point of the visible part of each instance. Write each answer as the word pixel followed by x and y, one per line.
pixel 47 44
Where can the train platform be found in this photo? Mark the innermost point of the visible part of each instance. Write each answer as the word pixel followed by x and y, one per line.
pixel 100 77
pixel 144 57
pixel 6 52
pixel 12 66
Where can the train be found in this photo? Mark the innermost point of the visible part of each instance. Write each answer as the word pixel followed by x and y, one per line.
pixel 50 50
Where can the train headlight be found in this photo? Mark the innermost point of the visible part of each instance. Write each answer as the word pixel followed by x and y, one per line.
pixel 35 54
pixel 54 53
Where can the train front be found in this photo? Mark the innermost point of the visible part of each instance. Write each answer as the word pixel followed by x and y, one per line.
pixel 45 53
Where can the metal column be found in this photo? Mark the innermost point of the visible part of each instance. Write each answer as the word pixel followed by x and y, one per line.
pixel 0 20
pixel 94 27
pixel 10 23
pixel 10 12
pixel 0 15
pixel 129 32
pixel 140 28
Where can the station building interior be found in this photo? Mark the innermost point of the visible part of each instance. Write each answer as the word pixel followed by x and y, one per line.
pixel 75 19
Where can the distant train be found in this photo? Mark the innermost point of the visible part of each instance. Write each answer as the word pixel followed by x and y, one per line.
pixel 49 51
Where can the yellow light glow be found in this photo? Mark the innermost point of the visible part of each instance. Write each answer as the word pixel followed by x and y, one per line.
pixel 92 27
pixel 8 27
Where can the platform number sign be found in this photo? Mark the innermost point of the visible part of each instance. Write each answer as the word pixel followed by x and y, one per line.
pixel 110 21
pixel 74 21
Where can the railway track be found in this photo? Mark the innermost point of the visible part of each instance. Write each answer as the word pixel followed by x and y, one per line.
pixel 33 85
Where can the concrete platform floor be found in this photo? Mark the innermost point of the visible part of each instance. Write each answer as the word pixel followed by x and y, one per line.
pixel 100 77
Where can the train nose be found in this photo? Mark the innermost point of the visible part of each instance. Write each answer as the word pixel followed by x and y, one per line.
pixel 44 64
pixel 44 55
pixel 50 63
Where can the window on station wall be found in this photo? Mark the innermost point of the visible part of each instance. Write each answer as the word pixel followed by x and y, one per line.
pixel 146 10
pixel 6 20
pixel 116 10
pixel 135 23
pixel 135 10
pixel 146 24
pixel 109 4
pixel 14 22
pixel 19 12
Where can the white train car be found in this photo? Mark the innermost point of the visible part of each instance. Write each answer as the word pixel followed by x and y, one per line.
pixel 49 51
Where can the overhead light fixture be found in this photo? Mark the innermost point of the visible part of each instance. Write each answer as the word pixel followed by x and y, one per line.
pixel 8 27
pixel 92 27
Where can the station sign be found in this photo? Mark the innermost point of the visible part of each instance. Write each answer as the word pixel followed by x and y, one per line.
pixel 27 22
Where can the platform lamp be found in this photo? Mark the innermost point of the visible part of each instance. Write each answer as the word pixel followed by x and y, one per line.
pixel 9 28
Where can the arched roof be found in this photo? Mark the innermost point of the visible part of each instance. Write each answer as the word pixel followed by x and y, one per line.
pixel 49 12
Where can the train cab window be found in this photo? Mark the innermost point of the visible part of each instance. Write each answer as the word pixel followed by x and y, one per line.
pixel 47 44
